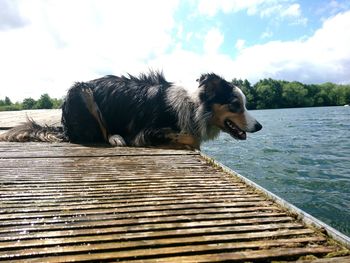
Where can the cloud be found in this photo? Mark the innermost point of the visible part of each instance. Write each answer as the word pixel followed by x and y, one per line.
pixel 293 11
pixel 333 7
pixel 211 8
pixel 66 41
pixel 240 44
pixel 266 34
pixel 284 9
pixel 324 56
pixel 213 40
pixel 184 67
pixel 9 15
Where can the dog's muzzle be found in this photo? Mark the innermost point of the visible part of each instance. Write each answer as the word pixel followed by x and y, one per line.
pixel 238 133
pixel 234 131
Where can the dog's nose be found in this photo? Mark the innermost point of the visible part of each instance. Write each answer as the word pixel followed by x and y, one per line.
pixel 258 126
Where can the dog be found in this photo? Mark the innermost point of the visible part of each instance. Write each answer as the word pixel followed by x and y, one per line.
pixel 145 111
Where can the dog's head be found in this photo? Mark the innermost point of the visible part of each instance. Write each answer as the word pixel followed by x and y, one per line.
pixel 227 104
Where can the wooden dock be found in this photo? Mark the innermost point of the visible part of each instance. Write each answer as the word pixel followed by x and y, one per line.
pixel 71 203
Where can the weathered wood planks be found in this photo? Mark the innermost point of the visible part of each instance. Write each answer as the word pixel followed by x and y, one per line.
pixel 64 203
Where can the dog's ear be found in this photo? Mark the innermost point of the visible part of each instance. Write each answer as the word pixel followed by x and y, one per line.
pixel 206 78
pixel 209 85
pixel 202 78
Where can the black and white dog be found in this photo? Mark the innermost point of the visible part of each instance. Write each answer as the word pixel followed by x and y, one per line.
pixel 145 111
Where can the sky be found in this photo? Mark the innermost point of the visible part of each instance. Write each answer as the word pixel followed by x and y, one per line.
pixel 46 46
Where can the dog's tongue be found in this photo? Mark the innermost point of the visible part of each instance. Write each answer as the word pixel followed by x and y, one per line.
pixel 242 135
pixel 234 131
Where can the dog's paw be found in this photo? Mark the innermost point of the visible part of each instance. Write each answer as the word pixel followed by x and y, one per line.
pixel 187 141
pixel 116 140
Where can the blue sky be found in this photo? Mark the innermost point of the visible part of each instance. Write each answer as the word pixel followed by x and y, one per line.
pixel 281 20
pixel 46 45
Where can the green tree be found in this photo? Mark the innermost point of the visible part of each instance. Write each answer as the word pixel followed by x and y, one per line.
pixel 347 94
pixel 340 95
pixel 28 103
pixel 57 103
pixel 250 93
pixel 44 102
pixel 294 94
pixel 237 82
pixel 324 97
pixel 312 94
pixel 268 94
pixel 7 101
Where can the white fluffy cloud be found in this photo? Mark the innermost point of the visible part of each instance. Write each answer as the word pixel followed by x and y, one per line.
pixel 324 56
pixel 66 41
pixel 213 40
pixel 240 44
pixel 211 8
pixel 264 8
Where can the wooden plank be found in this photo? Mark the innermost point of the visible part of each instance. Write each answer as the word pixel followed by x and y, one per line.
pixel 270 254
pixel 345 259
pixel 172 221
pixel 9 119
pixel 54 150
pixel 167 229
pixel 148 211
pixel 216 236
pixel 139 206
pixel 6 207
pixel 105 219
pixel 13 201
pixel 146 247
pixel 243 256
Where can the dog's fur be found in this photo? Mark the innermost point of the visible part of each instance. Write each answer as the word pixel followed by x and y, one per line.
pixel 145 111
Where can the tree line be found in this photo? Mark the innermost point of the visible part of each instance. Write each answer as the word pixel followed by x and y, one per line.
pixel 44 102
pixel 265 94
pixel 273 94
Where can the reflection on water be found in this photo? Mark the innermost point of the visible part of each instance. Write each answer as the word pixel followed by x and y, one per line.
pixel 302 155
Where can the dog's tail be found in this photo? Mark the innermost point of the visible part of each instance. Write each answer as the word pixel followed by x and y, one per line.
pixel 30 131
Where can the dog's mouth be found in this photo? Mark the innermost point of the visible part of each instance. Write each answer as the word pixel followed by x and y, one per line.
pixel 234 131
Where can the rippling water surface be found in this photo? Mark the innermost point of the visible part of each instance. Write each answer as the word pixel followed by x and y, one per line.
pixel 302 155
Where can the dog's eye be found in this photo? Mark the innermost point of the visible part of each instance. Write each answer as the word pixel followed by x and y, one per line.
pixel 235 106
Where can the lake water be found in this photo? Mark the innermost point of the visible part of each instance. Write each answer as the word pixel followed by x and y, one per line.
pixel 302 155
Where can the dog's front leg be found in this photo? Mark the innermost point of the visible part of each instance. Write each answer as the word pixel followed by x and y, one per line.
pixel 165 137
pixel 184 140
pixel 169 138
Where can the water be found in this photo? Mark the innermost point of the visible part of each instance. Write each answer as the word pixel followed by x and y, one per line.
pixel 302 155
